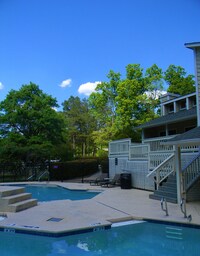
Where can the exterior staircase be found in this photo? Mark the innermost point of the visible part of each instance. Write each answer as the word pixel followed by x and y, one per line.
pixel 191 184
pixel 168 190
pixel 14 199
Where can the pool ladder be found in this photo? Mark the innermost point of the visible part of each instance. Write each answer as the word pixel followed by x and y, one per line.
pixel 43 174
pixel 164 207
pixel 40 176
pixel 184 211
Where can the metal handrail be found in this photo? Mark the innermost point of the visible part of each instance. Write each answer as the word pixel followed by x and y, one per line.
pixel 183 207
pixel 30 177
pixel 162 202
pixel 44 173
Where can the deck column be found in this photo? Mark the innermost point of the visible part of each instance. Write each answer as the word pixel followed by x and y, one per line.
pixel 179 180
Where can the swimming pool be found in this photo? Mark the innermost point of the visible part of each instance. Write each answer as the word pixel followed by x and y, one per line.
pixel 50 193
pixel 141 239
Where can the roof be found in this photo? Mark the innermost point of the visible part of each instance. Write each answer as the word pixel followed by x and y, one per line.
pixel 171 118
pixel 192 45
pixel 191 137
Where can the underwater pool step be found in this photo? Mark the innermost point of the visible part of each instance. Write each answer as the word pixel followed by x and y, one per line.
pixel 174 233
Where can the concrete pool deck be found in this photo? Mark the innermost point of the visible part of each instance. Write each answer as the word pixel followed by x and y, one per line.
pixel 111 205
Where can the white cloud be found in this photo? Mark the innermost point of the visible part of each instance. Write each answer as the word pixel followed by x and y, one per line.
pixel 88 88
pixel 66 83
pixel 1 86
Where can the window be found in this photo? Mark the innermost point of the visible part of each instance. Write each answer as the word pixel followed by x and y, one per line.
pixel 183 104
pixel 171 108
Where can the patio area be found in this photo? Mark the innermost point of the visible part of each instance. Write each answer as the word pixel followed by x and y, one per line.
pixel 111 205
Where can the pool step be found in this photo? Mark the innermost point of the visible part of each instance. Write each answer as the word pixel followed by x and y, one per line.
pixel 23 205
pixel 14 199
pixel 9 191
pixel 174 233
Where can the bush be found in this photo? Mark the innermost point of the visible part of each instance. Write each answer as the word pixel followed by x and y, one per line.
pixel 77 169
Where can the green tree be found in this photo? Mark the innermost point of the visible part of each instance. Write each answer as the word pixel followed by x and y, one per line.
pixel 80 124
pixel 137 98
pixel 120 105
pixel 30 128
pixel 178 80
pixel 103 107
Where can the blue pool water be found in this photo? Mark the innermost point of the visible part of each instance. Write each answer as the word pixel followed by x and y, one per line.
pixel 49 193
pixel 143 239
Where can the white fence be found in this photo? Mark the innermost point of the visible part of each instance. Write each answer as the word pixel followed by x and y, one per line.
pixel 119 147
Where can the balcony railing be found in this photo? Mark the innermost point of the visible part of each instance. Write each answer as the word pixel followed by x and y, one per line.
pixel 120 147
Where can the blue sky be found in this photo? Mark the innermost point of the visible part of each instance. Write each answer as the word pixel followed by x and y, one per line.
pixel 67 46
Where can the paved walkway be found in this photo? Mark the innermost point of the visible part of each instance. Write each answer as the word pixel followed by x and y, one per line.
pixel 111 205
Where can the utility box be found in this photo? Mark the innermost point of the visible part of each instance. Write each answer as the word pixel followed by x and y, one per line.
pixel 126 182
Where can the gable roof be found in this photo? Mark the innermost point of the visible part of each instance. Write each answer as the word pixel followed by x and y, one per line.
pixel 171 118
pixel 191 137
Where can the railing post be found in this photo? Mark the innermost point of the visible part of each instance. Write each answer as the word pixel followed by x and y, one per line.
pixel 178 173
pixel 157 179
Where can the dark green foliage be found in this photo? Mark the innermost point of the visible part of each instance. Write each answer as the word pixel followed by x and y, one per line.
pixel 29 125
pixel 120 105
pixel 178 81
pixel 77 169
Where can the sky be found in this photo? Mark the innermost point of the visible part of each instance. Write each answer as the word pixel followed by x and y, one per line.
pixel 67 47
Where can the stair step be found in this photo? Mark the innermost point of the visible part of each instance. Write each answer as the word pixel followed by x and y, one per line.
pixel 9 191
pixel 16 198
pixel 166 188
pixel 165 194
pixel 19 206
pixel 168 199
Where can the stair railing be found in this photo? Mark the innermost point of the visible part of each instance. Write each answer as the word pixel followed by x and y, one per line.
pixel 191 173
pixel 163 170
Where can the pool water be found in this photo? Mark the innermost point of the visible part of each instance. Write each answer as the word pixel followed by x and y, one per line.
pixel 143 239
pixel 50 193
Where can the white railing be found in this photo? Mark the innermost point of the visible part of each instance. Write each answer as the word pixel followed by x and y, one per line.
pixel 191 173
pixel 163 170
pixel 139 152
pixel 120 147
pixel 155 144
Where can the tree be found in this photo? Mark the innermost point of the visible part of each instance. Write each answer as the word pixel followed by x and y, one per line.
pixel 102 105
pixel 80 124
pixel 137 98
pixel 120 105
pixel 30 127
pixel 178 81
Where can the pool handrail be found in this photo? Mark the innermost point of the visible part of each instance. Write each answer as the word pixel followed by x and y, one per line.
pixel 44 173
